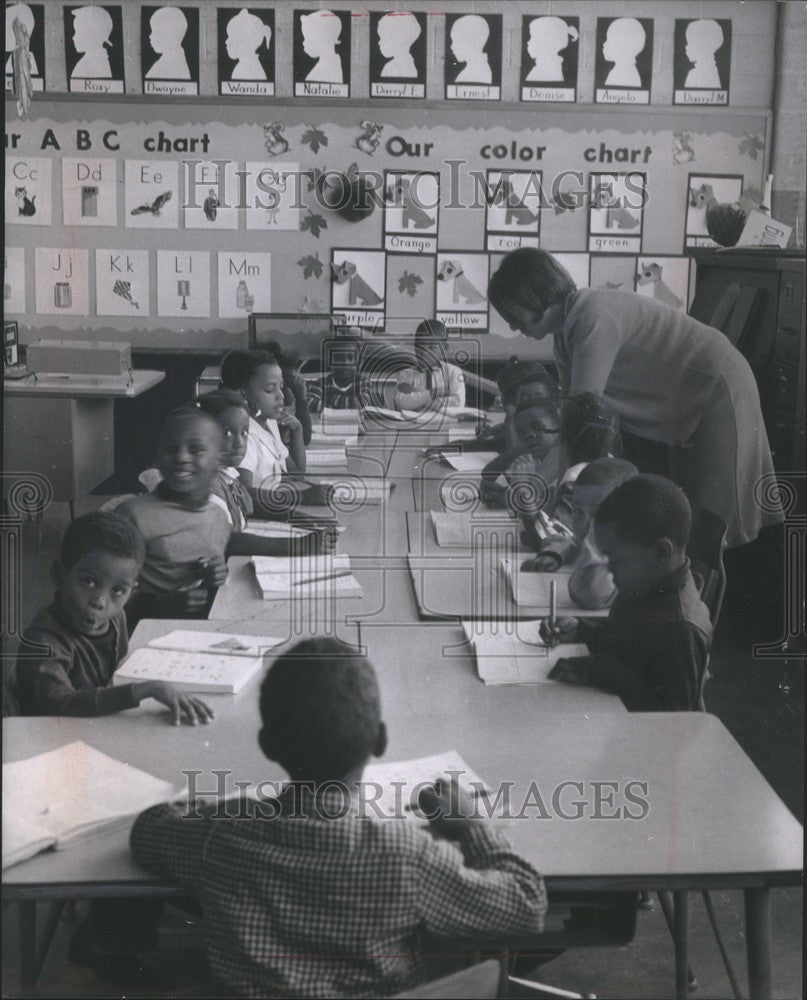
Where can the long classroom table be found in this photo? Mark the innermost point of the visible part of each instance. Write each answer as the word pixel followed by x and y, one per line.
pixel 712 821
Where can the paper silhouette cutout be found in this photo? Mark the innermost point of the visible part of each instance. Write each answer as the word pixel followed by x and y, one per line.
pixel 703 39
pixel 548 37
pixel 19 12
pixel 168 27
pixel 246 34
pixel 397 33
pixel 359 291
pixel 624 40
pixel 469 36
pixel 92 28
pixel 462 289
pixel 322 30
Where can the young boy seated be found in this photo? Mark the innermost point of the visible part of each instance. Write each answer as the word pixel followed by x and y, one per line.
pixel 433 383
pixel 653 648
pixel 314 895
pixel 83 631
pixel 590 583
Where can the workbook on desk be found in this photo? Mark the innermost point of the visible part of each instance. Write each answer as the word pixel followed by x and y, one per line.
pixel 336 437
pixel 349 490
pixel 340 423
pixel 198 661
pixel 305 576
pixel 398 781
pixel 54 798
pixel 454 530
pixel 532 590
pixel 513 652
pixel 327 455
pixel 472 461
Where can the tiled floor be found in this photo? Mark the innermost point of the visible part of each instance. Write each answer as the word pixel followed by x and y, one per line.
pixel 747 695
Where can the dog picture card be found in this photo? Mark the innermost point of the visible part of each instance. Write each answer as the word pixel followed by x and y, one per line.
pixel 358 285
pixel 462 290
pixel 705 192
pixel 30 19
pixel 616 212
pixel 169 50
pixel 93 47
pixel 473 57
pixel 246 63
pixel 411 208
pixel 398 53
pixel 549 58
pixel 623 63
pixel 665 279
pixel 702 61
pixel 513 211
pixel 322 53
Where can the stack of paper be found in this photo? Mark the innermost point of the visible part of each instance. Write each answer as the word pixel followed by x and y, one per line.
pixel 198 661
pixel 382 413
pixel 275 529
pixel 453 529
pixel 398 781
pixel 330 455
pixel 513 652
pixel 356 491
pixel 472 461
pixel 532 590
pixel 305 576
pixel 462 432
pixel 340 423
pixel 53 798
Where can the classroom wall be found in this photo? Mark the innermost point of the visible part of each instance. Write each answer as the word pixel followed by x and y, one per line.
pixel 789 152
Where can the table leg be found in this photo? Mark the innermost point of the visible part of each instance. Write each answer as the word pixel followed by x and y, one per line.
pixel 681 937
pixel 758 942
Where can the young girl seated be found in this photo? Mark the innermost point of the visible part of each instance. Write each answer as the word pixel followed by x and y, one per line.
pixel 535 429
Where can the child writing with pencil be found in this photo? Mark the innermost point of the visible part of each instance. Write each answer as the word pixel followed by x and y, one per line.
pixel 330 899
pixel 653 648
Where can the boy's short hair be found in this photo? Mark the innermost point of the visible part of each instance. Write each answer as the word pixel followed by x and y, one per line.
pixel 238 367
pixel 647 508
pixel 589 428
pixel 321 704
pixel 187 411
pixel 216 402
pixel 517 373
pixel 431 329
pixel 611 472
pixel 531 279
pixel 101 531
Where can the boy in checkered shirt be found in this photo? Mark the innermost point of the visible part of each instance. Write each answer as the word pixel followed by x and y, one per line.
pixel 310 896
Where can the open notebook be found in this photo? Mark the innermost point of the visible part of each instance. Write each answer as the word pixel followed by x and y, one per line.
pixel 455 530
pixel 532 590
pixel 283 579
pixel 326 455
pixel 396 782
pixel 56 797
pixel 356 491
pixel 473 461
pixel 198 661
pixel 513 652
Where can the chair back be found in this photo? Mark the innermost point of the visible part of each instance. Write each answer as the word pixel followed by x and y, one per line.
pixel 478 982
pixel 707 543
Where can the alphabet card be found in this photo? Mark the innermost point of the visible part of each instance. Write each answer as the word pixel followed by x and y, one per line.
pixel 14 281
pixel 169 49
pixel 245 284
pixel 211 197
pixel 411 205
pixel 183 283
pixel 30 17
pixel 93 48
pixel 398 53
pixel 616 211
pixel 549 56
pixel 246 51
pixel 28 194
pixel 322 53
pixel 462 282
pixel 89 192
pixel 705 192
pixel 473 57
pixel 151 196
pixel 122 282
pixel 358 283
pixel 513 213
pixel 62 281
pixel 702 61
pixel 623 63
pixel 665 279
pixel 272 196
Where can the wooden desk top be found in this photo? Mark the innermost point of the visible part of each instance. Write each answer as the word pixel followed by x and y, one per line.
pixel 83 386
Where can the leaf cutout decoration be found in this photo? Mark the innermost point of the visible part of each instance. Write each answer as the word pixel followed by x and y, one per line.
pixel 314 224
pixel 311 264
pixel 751 144
pixel 315 138
pixel 409 282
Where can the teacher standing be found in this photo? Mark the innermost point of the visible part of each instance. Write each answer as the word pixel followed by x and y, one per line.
pixel 686 398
